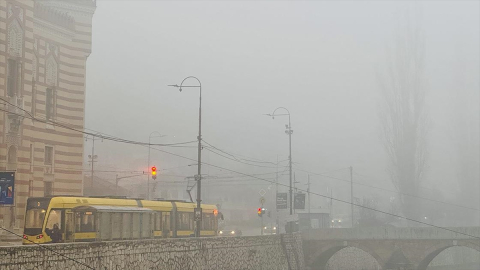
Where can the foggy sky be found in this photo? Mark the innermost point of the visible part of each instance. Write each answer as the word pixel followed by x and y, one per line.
pixel 317 58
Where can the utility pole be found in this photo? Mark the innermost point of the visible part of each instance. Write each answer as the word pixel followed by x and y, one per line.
pixel 293 198
pixel 351 194
pixel 92 157
pixel 309 214
pixel 276 194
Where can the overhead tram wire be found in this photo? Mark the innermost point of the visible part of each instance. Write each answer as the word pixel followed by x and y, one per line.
pixel 389 190
pixel 219 167
pixel 236 160
pixel 252 160
pixel 327 197
pixel 116 139
pixel 50 249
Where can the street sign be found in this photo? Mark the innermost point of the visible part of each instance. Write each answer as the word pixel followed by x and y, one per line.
pixel 299 201
pixel 262 200
pixel 262 192
pixel 282 200
pixel 7 185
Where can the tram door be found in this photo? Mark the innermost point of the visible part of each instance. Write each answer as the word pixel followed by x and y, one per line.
pixel 69 227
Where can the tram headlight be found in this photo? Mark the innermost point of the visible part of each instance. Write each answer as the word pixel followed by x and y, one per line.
pixel 232 232
pixel 221 232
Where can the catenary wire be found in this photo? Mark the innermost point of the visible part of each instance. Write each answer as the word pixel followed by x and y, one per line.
pixel 50 249
pixel 328 197
pixel 219 167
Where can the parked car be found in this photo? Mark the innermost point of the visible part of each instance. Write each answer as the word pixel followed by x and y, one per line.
pixel 230 232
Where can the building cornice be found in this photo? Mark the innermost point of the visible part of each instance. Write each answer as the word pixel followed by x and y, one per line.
pixel 73 8
pixel 47 27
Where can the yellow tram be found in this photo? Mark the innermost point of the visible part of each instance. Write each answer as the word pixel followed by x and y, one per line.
pixel 89 219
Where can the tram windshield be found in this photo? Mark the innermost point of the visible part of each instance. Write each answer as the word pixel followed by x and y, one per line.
pixel 36 210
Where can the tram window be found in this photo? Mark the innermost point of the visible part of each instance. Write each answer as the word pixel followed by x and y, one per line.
pixel 127 225
pixel 185 221
pixel 158 221
pixel 85 222
pixel 55 217
pixel 166 222
pixel 208 222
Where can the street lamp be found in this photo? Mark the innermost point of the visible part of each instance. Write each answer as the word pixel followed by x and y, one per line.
pixel 288 131
pixel 148 162
pixel 198 177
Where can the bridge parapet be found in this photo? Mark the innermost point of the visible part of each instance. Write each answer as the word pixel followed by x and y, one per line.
pixel 392 233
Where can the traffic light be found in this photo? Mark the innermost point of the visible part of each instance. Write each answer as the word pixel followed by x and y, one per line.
pixel 261 211
pixel 154 172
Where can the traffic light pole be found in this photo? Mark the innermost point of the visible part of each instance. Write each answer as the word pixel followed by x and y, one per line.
pixel 148 162
pixel 261 224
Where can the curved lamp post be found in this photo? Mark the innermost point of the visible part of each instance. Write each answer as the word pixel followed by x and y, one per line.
pixel 288 131
pixel 198 177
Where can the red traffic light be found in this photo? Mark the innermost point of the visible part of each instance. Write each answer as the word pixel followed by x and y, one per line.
pixel 259 211
pixel 154 170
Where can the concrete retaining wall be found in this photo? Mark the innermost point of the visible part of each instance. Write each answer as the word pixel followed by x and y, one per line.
pixel 274 252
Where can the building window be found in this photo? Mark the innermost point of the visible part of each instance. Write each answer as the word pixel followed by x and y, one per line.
pixel 34 97
pixel 48 188
pixel 30 188
pixel 12 155
pixel 31 157
pixel 12 77
pixel 50 104
pixel 48 155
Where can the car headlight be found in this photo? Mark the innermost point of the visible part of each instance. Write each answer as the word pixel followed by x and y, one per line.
pixel 274 228
pixel 232 232
pixel 221 232
pixel 340 221
pixel 264 228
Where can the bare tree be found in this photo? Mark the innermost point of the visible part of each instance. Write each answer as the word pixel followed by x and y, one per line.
pixel 464 119
pixel 402 114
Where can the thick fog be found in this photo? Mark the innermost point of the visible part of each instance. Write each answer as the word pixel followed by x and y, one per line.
pixel 320 59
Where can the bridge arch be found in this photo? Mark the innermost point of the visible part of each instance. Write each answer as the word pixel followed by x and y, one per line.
pixel 321 258
pixel 436 250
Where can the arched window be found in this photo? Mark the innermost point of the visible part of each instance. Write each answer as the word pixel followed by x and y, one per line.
pixel 15 39
pixel 51 71
pixel 12 154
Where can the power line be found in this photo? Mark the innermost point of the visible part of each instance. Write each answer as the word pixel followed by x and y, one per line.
pixel 393 191
pixel 110 138
pixel 116 139
pixel 236 160
pixel 327 197
pixel 49 249
pixel 245 159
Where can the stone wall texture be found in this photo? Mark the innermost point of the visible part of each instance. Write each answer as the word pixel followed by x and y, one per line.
pixel 275 252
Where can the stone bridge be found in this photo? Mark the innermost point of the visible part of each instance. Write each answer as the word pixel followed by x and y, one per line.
pixel 393 248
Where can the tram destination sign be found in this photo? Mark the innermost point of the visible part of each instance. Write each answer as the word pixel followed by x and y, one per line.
pixel 7 185
pixel 282 200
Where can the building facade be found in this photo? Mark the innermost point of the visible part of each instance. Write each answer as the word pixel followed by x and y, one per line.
pixel 43 52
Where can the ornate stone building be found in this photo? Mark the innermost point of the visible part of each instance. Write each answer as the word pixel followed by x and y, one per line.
pixel 43 52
